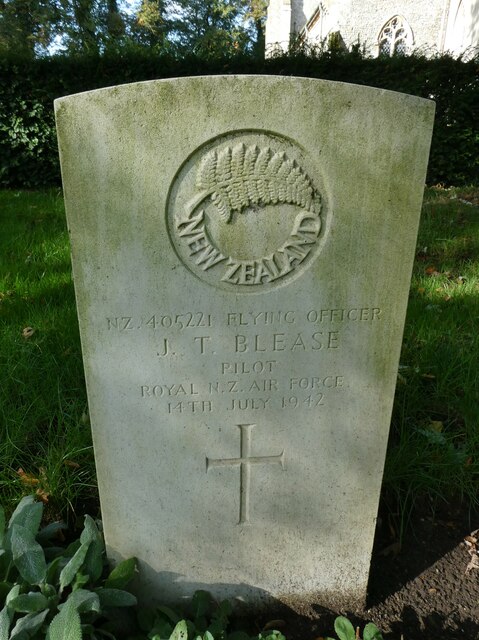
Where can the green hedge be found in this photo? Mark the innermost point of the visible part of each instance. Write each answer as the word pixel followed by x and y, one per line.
pixel 28 152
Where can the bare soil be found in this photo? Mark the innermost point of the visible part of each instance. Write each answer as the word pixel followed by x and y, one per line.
pixel 419 590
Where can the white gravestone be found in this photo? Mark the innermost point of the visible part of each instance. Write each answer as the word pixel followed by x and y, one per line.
pixel 242 251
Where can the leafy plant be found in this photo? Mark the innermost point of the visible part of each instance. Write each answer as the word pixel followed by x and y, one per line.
pixel 52 592
pixel 345 630
pixel 207 620
pixel 55 593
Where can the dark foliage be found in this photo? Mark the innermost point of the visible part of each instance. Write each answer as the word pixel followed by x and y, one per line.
pixel 28 153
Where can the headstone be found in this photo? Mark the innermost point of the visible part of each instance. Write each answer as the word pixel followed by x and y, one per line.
pixel 242 251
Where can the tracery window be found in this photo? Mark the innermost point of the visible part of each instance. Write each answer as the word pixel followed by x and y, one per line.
pixel 395 37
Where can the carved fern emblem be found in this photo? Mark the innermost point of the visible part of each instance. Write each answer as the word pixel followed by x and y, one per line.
pixel 238 176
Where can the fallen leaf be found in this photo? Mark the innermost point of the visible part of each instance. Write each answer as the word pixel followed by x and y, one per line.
pixel 472 550
pixel 432 271
pixel 43 495
pixel 436 425
pixel 473 564
pixel 27 478
pixel 70 463
pixel 28 332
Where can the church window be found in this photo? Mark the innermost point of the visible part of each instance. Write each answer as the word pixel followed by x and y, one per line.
pixel 395 37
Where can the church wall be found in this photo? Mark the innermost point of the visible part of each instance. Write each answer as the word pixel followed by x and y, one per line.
pixel 366 18
pixel 436 25
pixel 360 21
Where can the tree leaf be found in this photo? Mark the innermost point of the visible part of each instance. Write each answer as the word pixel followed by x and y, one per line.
pixel 29 602
pixel 115 598
pixel 28 626
pixel 69 571
pixel 180 632
pixel 344 628
pixel 28 555
pixel 371 632
pixel 122 574
pixel 66 625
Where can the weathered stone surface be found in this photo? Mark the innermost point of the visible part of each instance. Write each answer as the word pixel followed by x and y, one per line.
pixel 242 250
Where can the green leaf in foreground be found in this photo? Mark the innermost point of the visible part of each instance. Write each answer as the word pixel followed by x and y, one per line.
pixel 115 598
pixel 180 632
pixel 200 603
pixel 66 625
pixel 28 555
pixel 28 626
pixel 4 624
pixel 344 629
pixel 371 632
pixel 122 574
pixel 28 514
pixel 29 602
pixel 94 557
pixel 83 600
pixel 73 566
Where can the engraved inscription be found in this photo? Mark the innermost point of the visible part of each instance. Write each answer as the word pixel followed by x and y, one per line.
pixel 245 211
pixel 250 350
pixel 245 393
pixel 245 462
pixel 180 322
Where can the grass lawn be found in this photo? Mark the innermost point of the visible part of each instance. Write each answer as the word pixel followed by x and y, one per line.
pixel 45 442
